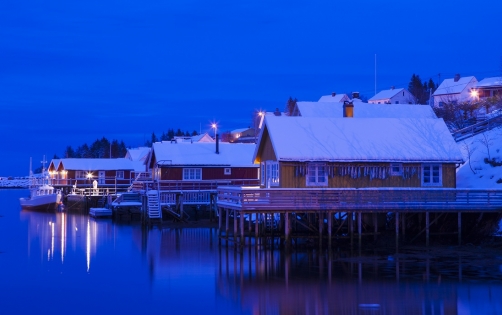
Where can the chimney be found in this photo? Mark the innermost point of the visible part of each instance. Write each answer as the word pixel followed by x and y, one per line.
pixel 456 78
pixel 277 112
pixel 392 87
pixel 217 144
pixel 355 94
pixel 348 109
pixel 333 94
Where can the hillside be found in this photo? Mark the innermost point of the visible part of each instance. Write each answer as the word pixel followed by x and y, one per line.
pixel 475 172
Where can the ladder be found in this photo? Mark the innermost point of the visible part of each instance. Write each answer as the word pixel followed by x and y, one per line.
pixel 154 210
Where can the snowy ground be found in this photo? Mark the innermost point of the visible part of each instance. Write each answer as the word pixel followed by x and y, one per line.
pixel 475 173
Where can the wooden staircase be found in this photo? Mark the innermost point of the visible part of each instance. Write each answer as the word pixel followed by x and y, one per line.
pixel 154 210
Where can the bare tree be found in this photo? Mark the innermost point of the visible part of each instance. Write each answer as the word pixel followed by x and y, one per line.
pixel 469 150
pixel 487 142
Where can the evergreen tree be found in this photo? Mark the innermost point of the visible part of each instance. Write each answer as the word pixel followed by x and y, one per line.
pixel 69 152
pixel 194 133
pixel 290 106
pixel 170 134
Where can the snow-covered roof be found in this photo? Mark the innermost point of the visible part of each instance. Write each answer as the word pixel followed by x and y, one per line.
pixel 337 98
pixel 237 154
pixel 239 130
pixel 368 139
pixel 386 94
pixel 495 82
pixel 138 154
pixel 102 164
pixel 365 110
pixel 449 86
pixel 202 138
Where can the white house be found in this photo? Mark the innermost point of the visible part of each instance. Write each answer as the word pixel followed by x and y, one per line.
pixel 337 98
pixel 393 96
pixel 488 87
pixel 455 90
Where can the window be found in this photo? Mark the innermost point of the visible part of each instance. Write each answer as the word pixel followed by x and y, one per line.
pixel 192 174
pixel 317 175
pixel 397 102
pixel 81 174
pixel 227 171
pixel 120 174
pixel 272 172
pixel 432 175
pixel 396 169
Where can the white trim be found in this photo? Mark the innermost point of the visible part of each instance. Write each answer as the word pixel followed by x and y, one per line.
pixel 317 175
pixel 432 175
pixel 119 174
pixel 396 169
pixel 272 173
pixel 192 174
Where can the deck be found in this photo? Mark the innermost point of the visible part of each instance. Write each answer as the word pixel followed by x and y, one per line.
pixel 247 199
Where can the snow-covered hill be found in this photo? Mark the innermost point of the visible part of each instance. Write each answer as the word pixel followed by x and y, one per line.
pixel 475 172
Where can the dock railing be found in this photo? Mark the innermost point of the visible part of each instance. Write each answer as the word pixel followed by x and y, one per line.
pixel 350 199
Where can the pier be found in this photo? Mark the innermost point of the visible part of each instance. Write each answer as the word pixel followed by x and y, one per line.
pixel 336 213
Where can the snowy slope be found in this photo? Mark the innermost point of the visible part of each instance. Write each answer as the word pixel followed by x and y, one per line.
pixel 478 174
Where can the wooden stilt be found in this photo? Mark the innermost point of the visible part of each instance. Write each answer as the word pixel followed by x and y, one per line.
pixel 220 228
pixel 242 229
pixel 397 230
pixel 321 225
pixel 287 231
pixel 330 228
pixel 459 228
pixel 427 229
pixel 351 228
pixel 236 221
pixel 359 228
pixel 227 217
pixel 256 227
pixel 375 226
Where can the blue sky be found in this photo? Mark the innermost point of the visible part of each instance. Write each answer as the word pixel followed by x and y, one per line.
pixel 74 72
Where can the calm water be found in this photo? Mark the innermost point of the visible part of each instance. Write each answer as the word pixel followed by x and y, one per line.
pixel 72 264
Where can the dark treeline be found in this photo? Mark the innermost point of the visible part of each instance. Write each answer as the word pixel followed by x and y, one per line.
pixel 169 136
pixel 98 149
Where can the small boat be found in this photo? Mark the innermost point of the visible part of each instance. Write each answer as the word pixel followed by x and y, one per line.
pixel 42 198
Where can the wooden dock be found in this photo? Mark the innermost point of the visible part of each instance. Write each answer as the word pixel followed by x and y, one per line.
pixel 354 205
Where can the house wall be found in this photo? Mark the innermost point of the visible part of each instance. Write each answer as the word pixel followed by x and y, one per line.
pixel 212 173
pixel 464 96
pixel 108 180
pixel 266 150
pixel 291 176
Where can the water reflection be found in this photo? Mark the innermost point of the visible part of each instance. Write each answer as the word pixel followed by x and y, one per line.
pixel 50 233
pixel 187 269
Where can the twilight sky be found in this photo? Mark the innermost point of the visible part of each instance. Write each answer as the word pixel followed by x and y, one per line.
pixel 74 71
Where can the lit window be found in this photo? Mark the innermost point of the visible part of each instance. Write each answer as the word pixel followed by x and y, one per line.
pixel 317 175
pixel 396 169
pixel 192 174
pixel 432 175
pixel 272 173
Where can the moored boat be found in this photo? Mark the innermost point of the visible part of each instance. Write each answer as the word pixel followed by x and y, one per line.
pixel 42 198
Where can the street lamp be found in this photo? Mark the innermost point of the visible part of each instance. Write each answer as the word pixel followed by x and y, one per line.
pixel 475 94
pixel 89 177
pixel 215 129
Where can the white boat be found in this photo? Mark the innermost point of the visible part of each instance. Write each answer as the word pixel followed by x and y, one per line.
pixel 42 198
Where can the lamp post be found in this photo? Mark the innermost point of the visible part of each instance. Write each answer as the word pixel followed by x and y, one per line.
pixel 89 177
pixel 215 129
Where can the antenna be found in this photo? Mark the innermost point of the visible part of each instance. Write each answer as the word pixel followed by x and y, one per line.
pixel 375 77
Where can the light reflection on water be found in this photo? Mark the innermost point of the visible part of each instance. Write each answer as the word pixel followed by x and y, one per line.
pixel 98 266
